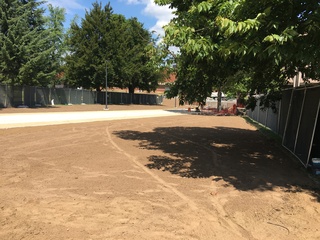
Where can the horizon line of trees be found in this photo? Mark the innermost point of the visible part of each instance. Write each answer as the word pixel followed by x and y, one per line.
pixel 242 48
pixel 37 50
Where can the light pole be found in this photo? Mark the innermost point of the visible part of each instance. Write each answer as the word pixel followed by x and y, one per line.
pixel 106 108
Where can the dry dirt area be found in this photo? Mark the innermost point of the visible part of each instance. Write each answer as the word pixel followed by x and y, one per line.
pixel 180 177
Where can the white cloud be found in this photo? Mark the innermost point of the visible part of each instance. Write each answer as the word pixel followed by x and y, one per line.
pixel 163 14
pixel 136 1
pixel 69 5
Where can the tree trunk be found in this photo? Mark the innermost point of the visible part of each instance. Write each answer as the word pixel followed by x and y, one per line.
pixel 219 100
pixel 131 93
pixel 131 89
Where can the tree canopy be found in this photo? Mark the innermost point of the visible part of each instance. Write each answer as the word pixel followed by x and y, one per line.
pixel 200 67
pixel 55 22
pixel 26 56
pixel 267 41
pixel 107 40
pixel 35 50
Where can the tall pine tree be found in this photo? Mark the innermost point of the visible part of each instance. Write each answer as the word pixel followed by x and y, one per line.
pixel 104 39
pixel 56 39
pixel 24 42
pixel 89 48
pixel 138 68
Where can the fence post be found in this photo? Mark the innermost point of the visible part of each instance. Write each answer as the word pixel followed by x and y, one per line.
pixel 35 96
pixel 266 118
pixel 50 95
pixel 258 117
pixel 6 96
pixel 31 97
pixel 22 94
pixel 300 117
pixel 279 116
pixel 82 95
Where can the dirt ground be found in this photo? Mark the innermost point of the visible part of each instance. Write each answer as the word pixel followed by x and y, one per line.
pixel 180 177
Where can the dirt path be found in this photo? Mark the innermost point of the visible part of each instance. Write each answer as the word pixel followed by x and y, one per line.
pixel 186 177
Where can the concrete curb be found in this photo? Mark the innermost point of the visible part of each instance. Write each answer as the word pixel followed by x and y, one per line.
pixel 13 120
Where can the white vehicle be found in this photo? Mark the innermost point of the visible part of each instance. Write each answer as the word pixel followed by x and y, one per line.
pixel 214 95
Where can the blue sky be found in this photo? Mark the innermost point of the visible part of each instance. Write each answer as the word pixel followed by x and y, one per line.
pixel 152 16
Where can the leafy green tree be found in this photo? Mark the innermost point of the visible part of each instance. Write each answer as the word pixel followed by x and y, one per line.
pixel 136 69
pixel 55 22
pixel 201 68
pixel 276 39
pixel 283 30
pixel 191 85
pixel 107 40
pixel 89 49
pixel 273 39
pixel 196 79
pixel 25 50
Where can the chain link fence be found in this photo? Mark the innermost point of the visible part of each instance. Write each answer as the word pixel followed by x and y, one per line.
pixel 297 121
pixel 30 96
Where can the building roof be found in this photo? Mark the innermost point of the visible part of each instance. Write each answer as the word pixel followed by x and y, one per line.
pixel 172 78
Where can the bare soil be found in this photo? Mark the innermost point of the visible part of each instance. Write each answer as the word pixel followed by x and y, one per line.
pixel 181 177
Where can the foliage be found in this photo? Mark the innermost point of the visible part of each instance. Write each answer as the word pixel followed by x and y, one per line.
pixel 283 30
pixel 200 66
pixel 55 22
pixel 275 39
pixel 132 54
pixel 107 40
pixel 269 41
pixel 88 48
pixel 25 44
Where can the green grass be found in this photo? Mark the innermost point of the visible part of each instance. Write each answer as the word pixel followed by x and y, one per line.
pixel 267 132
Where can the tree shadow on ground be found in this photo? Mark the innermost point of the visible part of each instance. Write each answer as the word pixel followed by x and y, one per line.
pixel 242 158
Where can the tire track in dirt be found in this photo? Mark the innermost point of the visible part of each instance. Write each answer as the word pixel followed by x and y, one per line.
pixel 44 196
pixel 192 205
pixel 228 224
